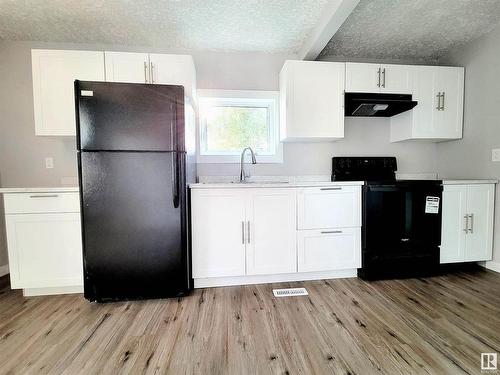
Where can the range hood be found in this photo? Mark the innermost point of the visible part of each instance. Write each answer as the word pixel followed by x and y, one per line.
pixel 377 105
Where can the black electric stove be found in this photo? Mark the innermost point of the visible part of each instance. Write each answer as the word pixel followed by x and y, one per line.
pixel 401 231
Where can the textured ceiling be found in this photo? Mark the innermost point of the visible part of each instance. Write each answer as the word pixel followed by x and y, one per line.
pixel 411 29
pixel 224 25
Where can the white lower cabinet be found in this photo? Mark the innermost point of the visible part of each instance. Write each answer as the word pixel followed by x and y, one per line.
pixel 218 232
pixel 271 226
pixel 329 207
pixel 253 233
pixel 323 250
pixel 467 224
pixel 44 241
pixel 240 232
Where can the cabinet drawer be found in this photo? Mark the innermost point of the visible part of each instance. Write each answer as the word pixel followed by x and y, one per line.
pixel 19 203
pixel 329 207
pixel 329 249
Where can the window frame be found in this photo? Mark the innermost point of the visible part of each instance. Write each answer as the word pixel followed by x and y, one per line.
pixel 241 98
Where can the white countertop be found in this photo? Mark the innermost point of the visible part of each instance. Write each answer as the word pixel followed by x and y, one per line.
pixel 272 184
pixel 468 182
pixel 61 189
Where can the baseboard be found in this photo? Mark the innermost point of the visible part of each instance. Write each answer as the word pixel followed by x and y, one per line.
pixel 211 282
pixel 491 265
pixel 4 270
pixel 33 292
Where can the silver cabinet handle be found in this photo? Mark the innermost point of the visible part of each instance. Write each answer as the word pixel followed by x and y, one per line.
pixel 471 228
pixel 45 196
pixel 243 232
pixel 332 188
pixel 383 74
pixel 438 96
pixel 466 228
pixel 152 72
pixel 330 231
pixel 145 72
pixel 442 103
pixel 248 231
pixel 378 83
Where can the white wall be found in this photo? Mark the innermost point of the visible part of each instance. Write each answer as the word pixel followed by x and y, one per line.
pixel 22 153
pixel 470 157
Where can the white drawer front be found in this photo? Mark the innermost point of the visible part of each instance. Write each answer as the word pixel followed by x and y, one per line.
pixel 329 249
pixel 31 203
pixel 329 207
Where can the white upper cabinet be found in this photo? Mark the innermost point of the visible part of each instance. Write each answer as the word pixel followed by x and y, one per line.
pixel 312 101
pixel 154 68
pixel 127 67
pixel 438 115
pixel 467 224
pixel 377 78
pixel 54 73
pixel 174 70
pixel 396 79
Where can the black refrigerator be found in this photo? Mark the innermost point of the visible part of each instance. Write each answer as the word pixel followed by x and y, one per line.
pixel 132 165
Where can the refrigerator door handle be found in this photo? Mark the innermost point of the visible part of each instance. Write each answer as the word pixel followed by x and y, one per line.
pixel 175 181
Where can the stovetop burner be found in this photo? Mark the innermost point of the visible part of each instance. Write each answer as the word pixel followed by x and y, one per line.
pixel 372 168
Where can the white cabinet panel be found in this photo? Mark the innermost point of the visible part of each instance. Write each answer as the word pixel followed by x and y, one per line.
pixel 396 79
pixel 312 101
pixel 450 82
pixel 362 77
pixel 467 226
pixel 436 117
pixel 480 205
pixel 174 70
pixel 218 232
pixel 271 227
pixel 453 229
pixel 332 249
pixel 44 250
pixel 329 207
pixel 54 73
pixel 19 203
pixel 127 67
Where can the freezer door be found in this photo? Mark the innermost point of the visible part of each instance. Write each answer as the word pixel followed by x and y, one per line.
pixel 133 223
pixel 129 117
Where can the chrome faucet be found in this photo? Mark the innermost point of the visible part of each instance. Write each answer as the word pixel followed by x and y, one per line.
pixel 243 174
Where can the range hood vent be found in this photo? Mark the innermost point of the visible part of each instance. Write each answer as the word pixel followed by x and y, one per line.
pixel 377 105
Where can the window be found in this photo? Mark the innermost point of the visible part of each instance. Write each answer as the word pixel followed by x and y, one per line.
pixel 232 120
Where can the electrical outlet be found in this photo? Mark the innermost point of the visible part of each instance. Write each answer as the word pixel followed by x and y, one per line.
pixel 49 162
pixel 495 154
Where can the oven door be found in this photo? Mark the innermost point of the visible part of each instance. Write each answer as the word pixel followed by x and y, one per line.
pixel 401 226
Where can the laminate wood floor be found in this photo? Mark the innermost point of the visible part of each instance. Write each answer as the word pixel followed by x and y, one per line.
pixel 437 325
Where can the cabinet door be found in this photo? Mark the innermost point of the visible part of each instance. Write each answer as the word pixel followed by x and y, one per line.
pixel 453 225
pixel 329 249
pixel 329 207
pixel 396 79
pixel 362 77
pixel 313 100
pixel 424 92
pixel 174 70
pixel 54 74
pixel 449 120
pixel 218 232
pixel 127 67
pixel 45 250
pixel 480 205
pixel 271 231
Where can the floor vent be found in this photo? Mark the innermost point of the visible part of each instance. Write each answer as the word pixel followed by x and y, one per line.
pixel 290 292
